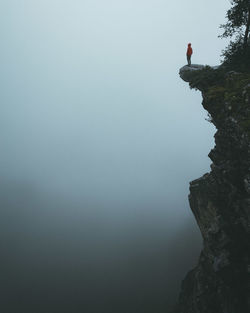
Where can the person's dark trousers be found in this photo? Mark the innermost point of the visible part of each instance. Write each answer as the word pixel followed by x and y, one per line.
pixel 189 60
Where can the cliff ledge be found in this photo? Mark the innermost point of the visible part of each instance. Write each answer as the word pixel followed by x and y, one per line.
pixel 220 200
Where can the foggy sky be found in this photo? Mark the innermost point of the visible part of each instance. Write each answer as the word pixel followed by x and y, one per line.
pixel 99 140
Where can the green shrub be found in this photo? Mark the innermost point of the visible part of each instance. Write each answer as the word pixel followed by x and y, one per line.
pixel 207 77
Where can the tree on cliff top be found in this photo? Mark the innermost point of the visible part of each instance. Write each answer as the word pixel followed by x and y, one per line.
pixel 237 54
pixel 238 17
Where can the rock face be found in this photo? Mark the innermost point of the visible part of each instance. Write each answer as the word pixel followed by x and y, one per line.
pixel 220 200
pixel 186 71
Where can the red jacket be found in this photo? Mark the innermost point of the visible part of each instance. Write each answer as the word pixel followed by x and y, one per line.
pixel 189 50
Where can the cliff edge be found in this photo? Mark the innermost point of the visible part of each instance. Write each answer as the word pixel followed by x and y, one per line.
pixel 220 200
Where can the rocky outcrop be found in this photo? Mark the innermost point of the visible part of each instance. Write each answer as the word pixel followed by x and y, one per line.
pixel 187 70
pixel 220 200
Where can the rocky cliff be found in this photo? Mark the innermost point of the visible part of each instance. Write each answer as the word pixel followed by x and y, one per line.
pixel 220 200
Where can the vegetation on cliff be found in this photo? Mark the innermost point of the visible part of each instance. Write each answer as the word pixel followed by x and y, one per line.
pixel 237 54
pixel 238 20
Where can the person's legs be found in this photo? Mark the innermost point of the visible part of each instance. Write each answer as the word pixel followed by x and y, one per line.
pixel 189 60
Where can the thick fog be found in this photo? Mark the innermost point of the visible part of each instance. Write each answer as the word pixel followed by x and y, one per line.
pixel 99 141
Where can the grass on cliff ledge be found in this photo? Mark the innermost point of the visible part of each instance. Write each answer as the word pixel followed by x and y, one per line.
pixel 205 78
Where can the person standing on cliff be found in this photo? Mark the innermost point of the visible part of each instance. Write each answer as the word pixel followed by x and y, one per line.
pixel 189 54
